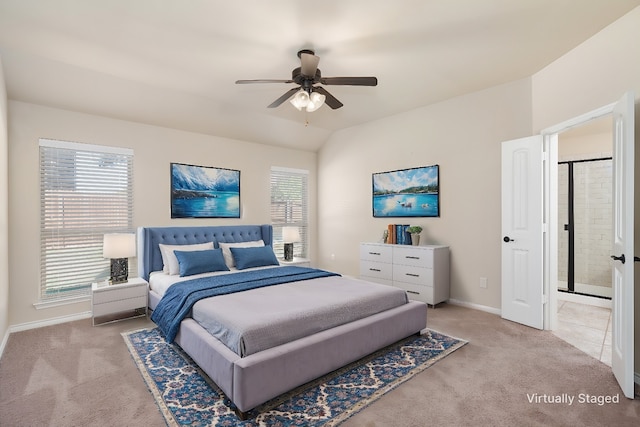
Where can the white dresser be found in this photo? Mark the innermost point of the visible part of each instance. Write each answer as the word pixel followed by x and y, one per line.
pixel 423 271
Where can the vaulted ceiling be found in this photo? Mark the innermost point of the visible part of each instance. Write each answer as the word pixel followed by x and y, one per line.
pixel 174 63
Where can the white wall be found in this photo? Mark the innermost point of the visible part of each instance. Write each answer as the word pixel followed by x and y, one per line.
pixel 154 149
pixel 4 218
pixel 594 74
pixel 463 136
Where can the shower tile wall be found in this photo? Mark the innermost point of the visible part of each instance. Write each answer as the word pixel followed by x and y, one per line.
pixel 593 222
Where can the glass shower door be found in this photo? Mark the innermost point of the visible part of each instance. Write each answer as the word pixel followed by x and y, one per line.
pixel 585 216
pixel 593 215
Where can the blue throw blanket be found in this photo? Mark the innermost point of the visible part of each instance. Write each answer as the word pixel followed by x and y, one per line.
pixel 179 299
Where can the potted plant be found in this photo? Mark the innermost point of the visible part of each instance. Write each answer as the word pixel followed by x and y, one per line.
pixel 415 231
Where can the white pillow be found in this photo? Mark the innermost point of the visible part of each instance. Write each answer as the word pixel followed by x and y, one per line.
pixel 169 259
pixel 228 256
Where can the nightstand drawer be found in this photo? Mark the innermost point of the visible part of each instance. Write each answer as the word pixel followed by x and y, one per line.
pixel 300 262
pixel 376 253
pixel 376 270
pixel 117 293
pixel 112 307
pixel 414 275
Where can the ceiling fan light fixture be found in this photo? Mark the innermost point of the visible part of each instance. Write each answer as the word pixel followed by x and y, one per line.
pixel 308 75
pixel 300 99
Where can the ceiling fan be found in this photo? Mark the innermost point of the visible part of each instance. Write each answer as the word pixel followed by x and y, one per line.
pixel 306 76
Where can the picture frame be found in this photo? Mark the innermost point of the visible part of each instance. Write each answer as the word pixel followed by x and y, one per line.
pixel 405 193
pixel 204 192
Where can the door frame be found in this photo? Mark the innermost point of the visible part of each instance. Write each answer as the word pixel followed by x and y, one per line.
pixel 550 243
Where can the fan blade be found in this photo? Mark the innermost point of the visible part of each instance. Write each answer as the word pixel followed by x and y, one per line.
pixel 283 98
pixel 350 81
pixel 242 82
pixel 309 64
pixel 330 100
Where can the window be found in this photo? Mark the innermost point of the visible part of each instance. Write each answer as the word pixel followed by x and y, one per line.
pixel 85 192
pixel 289 207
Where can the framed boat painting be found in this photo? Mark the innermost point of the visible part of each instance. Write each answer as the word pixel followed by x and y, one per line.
pixel 407 193
pixel 204 192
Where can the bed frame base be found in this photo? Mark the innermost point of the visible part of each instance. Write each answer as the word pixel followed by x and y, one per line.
pixel 243 416
pixel 255 379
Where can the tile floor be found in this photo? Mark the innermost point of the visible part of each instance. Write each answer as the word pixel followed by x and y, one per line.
pixel 586 327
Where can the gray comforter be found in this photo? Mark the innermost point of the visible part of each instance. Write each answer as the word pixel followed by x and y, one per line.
pixel 251 321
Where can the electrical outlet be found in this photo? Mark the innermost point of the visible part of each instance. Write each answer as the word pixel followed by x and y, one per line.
pixel 483 282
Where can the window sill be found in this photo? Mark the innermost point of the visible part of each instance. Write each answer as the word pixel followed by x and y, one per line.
pixel 61 301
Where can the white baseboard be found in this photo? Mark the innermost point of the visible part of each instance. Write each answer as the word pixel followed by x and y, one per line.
pixel 4 342
pixel 49 322
pixel 476 306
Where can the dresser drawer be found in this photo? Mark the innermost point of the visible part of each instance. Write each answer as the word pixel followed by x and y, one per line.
pixel 415 275
pixel 376 253
pixel 413 256
pixel 418 293
pixel 117 293
pixel 378 270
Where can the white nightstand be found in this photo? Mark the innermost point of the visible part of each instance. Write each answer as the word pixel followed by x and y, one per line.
pixel 300 262
pixel 119 302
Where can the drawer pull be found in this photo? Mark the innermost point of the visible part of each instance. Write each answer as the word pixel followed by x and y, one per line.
pixel 412 292
pixel 375 269
pixel 412 275
pixel 374 253
pixel 412 257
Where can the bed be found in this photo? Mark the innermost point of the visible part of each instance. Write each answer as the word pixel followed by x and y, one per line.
pixel 249 371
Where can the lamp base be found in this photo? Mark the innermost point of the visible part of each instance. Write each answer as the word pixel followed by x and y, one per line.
pixel 288 251
pixel 119 270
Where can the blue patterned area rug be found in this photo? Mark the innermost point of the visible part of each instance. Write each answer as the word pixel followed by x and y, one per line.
pixel 186 396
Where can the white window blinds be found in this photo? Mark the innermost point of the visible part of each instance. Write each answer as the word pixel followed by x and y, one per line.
pixel 289 207
pixel 85 192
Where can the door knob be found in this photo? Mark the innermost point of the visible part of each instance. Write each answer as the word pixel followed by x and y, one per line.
pixel 508 239
pixel 620 258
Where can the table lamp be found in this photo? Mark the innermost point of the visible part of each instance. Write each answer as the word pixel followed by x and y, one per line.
pixel 119 247
pixel 289 236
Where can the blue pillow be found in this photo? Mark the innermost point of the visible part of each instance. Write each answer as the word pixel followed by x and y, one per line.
pixel 196 262
pixel 254 257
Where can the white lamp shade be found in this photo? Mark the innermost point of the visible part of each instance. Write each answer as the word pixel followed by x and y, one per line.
pixel 300 99
pixel 315 101
pixel 290 234
pixel 119 245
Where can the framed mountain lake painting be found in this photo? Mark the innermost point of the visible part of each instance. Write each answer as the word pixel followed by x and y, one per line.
pixel 407 193
pixel 204 192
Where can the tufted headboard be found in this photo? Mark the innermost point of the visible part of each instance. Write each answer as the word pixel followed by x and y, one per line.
pixel 149 258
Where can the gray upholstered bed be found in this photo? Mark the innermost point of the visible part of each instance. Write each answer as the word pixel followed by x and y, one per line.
pixel 253 379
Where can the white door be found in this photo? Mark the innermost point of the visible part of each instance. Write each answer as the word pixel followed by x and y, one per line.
pixel 522 227
pixel 623 253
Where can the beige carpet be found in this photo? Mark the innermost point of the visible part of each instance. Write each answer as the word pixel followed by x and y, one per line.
pixel 78 375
